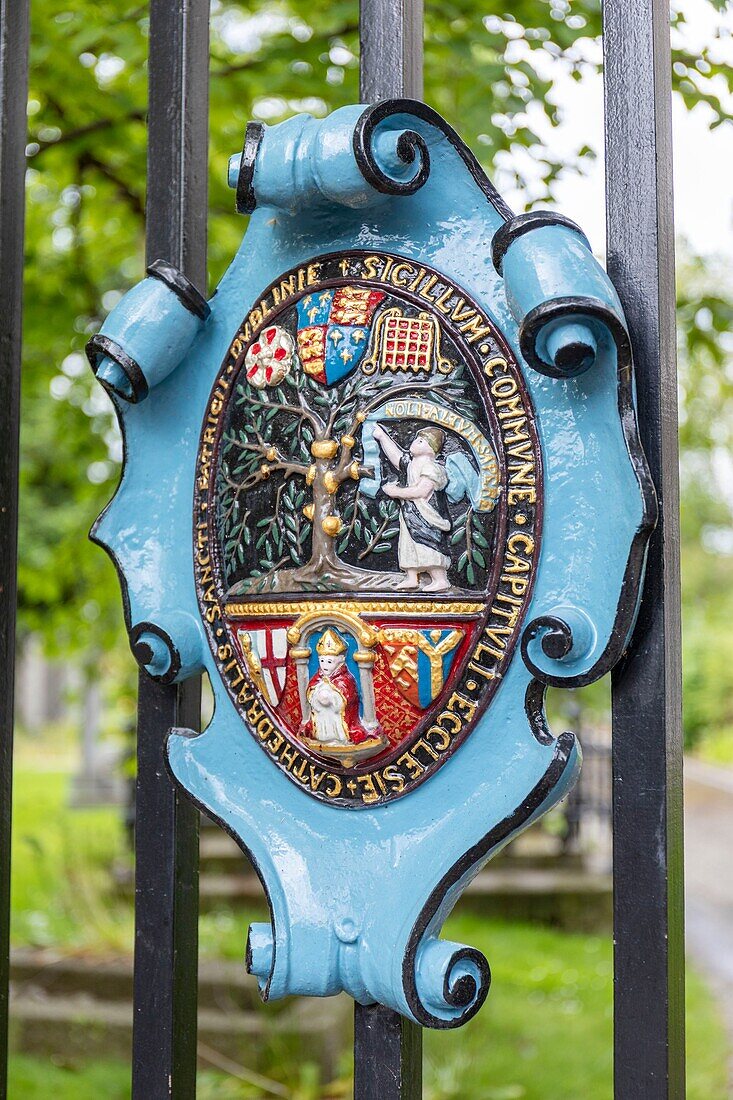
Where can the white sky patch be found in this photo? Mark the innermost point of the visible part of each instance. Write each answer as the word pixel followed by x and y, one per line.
pixel 703 159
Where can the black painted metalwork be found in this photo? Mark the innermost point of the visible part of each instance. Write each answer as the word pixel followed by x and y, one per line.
pixel 387 1047
pixel 182 287
pixel 245 194
pixel 526 223
pixel 13 95
pixel 166 824
pixel 391 43
pixel 649 1005
pixel 387 1055
pixel 647 742
pixel 101 347
pixel 412 148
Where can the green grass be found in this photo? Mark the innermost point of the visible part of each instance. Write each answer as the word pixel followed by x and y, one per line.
pixel 545 1032
pixel 61 889
pixel 33 1079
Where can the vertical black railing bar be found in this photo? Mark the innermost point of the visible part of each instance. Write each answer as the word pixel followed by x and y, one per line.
pixel 13 99
pixel 387 1055
pixel 391 49
pixel 646 695
pixel 387 1047
pixel 166 824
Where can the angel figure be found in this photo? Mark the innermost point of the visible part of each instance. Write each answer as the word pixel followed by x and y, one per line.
pixel 424 519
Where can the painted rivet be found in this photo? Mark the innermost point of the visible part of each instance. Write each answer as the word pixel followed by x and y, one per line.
pixel 347 930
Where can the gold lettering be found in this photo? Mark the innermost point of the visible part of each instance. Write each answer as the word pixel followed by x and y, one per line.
pixel 482 648
pixel 289 755
pixel 475 329
pixel 264 728
pixel 440 303
pixel 287 287
pixel 485 672
pixel 444 738
pixel 423 744
pixel 315 782
pixel 414 767
pixel 497 362
pixel 274 748
pixel 335 790
pixel 518 585
pixel 446 717
pixel 416 280
pixel 370 793
pixel 461 703
pixel 514 496
pixel 522 540
pixel 395 778
pixel 511 616
pixel 503 387
pixel 300 773
pixel 524 473
pixel 457 316
pixel 371 266
pixel 427 286
pixel 397 271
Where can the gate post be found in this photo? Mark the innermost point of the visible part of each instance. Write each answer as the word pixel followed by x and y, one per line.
pixel 13 97
pixel 388 1047
pixel 647 734
pixel 391 50
pixel 166 823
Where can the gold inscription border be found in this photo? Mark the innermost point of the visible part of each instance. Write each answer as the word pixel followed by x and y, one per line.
pixel 431 745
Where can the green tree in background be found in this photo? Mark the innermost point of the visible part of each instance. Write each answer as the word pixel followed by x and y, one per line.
pixel 485 68
pixel 705 355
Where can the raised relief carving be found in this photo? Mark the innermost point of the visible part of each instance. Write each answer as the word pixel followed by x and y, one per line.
pixel 405 426
pixel 376 458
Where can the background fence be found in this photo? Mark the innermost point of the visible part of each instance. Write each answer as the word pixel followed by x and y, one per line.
pixel 649 984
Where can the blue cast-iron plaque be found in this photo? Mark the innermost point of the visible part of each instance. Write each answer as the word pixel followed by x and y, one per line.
pixel 384 487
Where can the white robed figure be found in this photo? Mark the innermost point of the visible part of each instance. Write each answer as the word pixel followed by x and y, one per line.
pixel 333 697
pixel 327 709
pixel 424 519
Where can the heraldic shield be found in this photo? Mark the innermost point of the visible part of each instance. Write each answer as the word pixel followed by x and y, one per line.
pixel 404 431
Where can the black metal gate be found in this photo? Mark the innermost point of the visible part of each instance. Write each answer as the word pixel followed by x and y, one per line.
pixel 648 879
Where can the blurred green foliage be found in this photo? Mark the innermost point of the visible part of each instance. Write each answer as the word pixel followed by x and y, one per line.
pixel 487 70
pixel 705 354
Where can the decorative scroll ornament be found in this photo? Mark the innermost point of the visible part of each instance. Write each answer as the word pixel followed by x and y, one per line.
pixel 405 430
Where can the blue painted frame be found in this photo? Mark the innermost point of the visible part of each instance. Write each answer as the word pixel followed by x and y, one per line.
pixel 342 885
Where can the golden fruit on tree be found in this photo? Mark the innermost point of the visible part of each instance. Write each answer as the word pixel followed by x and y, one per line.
pixel 324 448
pixel 331 525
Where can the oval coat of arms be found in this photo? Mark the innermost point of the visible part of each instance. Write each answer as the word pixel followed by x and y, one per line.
pixel 367 521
